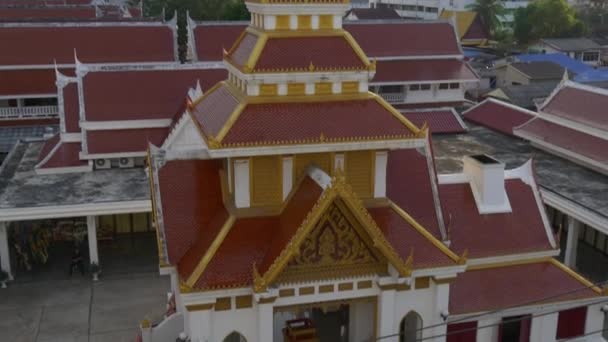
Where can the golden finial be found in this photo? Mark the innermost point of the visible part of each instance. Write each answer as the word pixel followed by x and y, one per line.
pixel 311 67
pixel 322 137
pixel 409 263
pixel 213 142
pixel 258 282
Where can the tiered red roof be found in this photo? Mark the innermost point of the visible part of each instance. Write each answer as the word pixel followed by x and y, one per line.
pixel 586 145
pixel 499 287
pixel 298 53
pixel 45 44
pixel 58 12
pixel 580 104
pixel 28 82
pixel 71 108
pixel 124 140
pixel 147 94
pixel 423 70
pixel 439 121
pixel 520 231
pixel 498 116
pixel 398 39
pixel 190 225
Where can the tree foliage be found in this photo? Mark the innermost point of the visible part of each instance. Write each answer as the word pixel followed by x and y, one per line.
pixel 489 12
pixel 546 19
pixel 198 10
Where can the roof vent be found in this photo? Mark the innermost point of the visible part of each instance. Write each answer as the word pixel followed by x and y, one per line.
pixel 487 178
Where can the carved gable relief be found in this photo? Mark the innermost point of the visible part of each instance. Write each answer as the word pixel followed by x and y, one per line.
pixel 337 246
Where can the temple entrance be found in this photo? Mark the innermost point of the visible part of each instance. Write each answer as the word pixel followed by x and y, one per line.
pixel 339 321
pixel 56 249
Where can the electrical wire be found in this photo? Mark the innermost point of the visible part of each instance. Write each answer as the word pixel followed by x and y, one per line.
pixel 467 318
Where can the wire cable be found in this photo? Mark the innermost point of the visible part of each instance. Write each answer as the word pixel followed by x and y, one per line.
pixel 501 310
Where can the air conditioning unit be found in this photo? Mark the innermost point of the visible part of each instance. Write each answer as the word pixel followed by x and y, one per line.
pixel 124 163
pixel 101 164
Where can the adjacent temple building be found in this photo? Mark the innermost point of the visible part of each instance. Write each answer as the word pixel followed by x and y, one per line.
pixel 293 204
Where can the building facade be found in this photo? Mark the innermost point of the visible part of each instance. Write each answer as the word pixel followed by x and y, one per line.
pixel 291 203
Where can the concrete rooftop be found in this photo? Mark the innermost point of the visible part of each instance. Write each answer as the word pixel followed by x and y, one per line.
pixel 586 188
pixel 21 187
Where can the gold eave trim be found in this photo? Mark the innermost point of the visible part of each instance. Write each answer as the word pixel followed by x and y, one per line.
pixel 577 276
pixel 215 245
pixel 461 260
pixel 399 116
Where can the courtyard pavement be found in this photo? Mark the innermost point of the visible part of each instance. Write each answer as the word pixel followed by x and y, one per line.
pixel 80 310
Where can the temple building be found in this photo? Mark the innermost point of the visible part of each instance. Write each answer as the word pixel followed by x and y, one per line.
pixel 291 203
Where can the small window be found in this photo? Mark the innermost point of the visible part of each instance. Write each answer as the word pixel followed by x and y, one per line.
pixel 454 85
pixel 414 87
pixel 425 87
pixel 571 323
pixel 443 86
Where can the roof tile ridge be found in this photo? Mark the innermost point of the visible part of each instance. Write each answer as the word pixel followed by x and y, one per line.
pixel 397 114
pixel 461 260
pixel 208 256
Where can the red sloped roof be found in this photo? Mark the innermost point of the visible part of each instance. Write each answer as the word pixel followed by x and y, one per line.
pixel 439 121
pixel 563 137
pixel 511 286
pixel 186 217
pixel 423 70
pixel 297 53
pixel 212 40
pixel 497 116
pixel 405 38
pixel 71 108
pixel 258 240
pixel 306 121
pixel 66 155
pixel 398 39
pixel 107 43
pixel 59 12
pixel 124 140
pixel 520 231
pixel 579 105
pixel 213 111
pixel 137 95
pixel 405 239
pixel 33 81
pixel 408 184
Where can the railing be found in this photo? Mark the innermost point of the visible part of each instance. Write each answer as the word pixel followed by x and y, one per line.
pixel 167 330
pixel 393 98
pixel 33 112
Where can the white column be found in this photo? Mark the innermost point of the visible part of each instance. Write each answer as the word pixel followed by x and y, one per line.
pixel 574 227
pixel 198 325
pixel 242 198
pixel 92 234
pixel 489 334
pixel 265 332
pixel 5 257
pixel 595 320
pixel 287 176
pixel 386 316
pixel 442 302
pixel 380 174
pixel 544 328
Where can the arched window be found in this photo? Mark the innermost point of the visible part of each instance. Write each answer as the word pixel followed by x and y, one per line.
pixel 235 337
pixel 410 328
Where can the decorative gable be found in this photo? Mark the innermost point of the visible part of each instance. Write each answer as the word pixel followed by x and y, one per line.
pixel 337 246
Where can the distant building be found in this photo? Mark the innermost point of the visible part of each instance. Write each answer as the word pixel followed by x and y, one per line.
pixel 581 49
pixel 525 96
pixel 469 27
pixel 431 9
pixel 380 13
pixel 526 73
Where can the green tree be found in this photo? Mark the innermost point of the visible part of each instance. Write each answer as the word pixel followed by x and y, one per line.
pixel 489 12
pixel 547 19
pixel 198 10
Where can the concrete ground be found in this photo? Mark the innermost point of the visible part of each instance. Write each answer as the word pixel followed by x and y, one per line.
pixel 80 310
